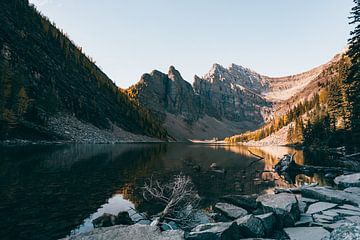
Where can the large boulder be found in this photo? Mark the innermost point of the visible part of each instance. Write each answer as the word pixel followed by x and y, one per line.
pixel 215 231
pixel 347 231
pixel 230 211
pixel 345 181
pixel 284 205
pixel 247 202
pixel 250 226
pixel 330 195
pixel 132 232
pixel 269 221
pixel 306 233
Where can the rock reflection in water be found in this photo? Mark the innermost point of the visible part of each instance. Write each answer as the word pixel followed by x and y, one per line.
pixel 48 191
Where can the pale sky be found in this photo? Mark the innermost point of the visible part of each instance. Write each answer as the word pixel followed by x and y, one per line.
pixel 273 37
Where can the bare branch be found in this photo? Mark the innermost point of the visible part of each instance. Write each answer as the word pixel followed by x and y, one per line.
pixel 179 196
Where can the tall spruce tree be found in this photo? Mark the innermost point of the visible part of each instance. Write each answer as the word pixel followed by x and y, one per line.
pixel 353 79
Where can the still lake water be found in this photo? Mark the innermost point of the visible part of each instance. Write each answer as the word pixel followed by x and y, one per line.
pixel 49 192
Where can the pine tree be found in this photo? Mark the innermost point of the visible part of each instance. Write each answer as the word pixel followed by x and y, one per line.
pixel 353 79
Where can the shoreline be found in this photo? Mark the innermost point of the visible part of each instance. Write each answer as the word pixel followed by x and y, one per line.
pixel 317 212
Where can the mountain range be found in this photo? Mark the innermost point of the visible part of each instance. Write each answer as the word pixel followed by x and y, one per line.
pixel 225 101
pixel 51 90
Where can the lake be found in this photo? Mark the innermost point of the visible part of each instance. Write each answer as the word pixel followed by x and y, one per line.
pixel 52 191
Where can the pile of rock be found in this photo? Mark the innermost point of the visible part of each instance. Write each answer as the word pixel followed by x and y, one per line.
pixel 316 213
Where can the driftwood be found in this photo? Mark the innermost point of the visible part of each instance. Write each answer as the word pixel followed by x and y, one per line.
pixel 257 160
pixel 289 169
pixel 179 198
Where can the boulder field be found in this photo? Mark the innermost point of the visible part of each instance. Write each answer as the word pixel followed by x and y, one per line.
pixel 313 212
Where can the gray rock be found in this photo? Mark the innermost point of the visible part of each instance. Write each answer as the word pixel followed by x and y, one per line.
pixel 353 219
pixel 250 226
pixel 247 202
pixel 105 220
pixel 284 205
pixel 347 231
pixel 346 212
pixel 345 181
pixel 350 207
pixel 330 226
pixel 269 222
pixel 302 206
pixel 230 211
pixel 306 233
pixel 132 232
pixel 331 213
pixel 320 206
pixel 323 218
pixel 307 200
pixel 215 231
pixel 354 190
pixel 330 195
pixel 305 220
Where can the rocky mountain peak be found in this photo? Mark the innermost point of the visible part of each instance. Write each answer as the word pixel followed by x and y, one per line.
pixel 174 74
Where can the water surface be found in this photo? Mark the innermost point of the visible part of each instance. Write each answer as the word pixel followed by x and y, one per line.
pixel 49 192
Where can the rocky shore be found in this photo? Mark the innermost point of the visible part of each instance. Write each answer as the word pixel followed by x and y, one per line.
pixel 309 212
pixel 68 129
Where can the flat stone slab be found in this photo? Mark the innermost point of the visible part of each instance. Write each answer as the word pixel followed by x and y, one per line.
pixel 346 212
pixel 347 231
pixel 281 202
pixel 330 195
pixel 354 190
pixel 350 207
pixel 230 211
pixel 308 200
pixel 345 181
pixel 132 232
pixel 353 219
pixel 330 226
pixel 221 230
pixel 331 213
pixel 320 206
pixel 323 217
pixel 247 202
pixel 305 220
pixel 306 233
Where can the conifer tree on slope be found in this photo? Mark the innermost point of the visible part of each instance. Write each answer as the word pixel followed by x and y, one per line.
pixel 353 79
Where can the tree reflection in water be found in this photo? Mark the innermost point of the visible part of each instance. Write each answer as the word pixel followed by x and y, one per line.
pixel 48 191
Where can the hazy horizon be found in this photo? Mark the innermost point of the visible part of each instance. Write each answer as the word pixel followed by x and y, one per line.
pixel 274 38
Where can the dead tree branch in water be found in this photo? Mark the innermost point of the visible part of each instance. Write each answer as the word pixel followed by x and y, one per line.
pixel 179 198
pixel 257 160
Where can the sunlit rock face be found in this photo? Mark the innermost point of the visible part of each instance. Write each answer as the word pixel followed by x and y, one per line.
pixel 233 93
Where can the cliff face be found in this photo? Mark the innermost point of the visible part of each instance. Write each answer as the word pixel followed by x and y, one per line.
pixel 167 93
pixel 43 74
pixel 233 93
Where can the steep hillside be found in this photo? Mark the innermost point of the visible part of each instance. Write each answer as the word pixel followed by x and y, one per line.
pixel 321 101
pixel 51 90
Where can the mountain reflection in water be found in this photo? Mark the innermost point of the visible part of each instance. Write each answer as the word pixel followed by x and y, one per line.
pixel 48 192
